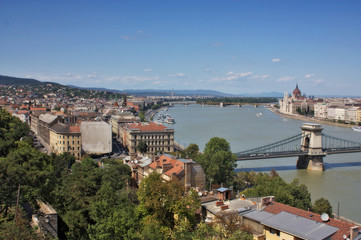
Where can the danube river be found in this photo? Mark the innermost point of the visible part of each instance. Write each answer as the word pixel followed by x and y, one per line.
pixel 248 127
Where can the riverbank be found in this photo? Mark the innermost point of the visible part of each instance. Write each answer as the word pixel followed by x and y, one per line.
pixel 308 119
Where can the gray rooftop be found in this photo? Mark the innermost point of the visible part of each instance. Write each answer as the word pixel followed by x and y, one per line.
pixel 238 205
pixel 258 216
pixel 48 118
pixel 299 226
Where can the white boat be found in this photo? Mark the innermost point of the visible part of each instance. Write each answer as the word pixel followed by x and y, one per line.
pixel 356 129
pixel 170 120
pixel 259 114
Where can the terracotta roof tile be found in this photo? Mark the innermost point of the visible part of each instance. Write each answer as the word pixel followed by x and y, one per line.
pixel 147 127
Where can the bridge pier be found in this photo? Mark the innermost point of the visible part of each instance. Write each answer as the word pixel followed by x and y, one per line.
pixel 308 162
pixel 312 143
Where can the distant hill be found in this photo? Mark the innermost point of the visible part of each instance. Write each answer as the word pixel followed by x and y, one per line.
pixel 266 94
pixel 161 92
pixel 6 80
pixel 197 92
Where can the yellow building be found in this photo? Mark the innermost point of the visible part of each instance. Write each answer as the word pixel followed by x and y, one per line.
pixel 65 138
pixel 358 115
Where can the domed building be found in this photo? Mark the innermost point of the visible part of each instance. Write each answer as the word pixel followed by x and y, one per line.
pixel 290 104
pixel 296 93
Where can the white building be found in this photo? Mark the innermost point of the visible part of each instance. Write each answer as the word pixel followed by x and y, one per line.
pixel 340 113
pixel 96 137
pixel 351 114
pixel 321 110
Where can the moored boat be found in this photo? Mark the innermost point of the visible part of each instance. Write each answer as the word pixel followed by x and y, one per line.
pixel 170 120
pixel 357 129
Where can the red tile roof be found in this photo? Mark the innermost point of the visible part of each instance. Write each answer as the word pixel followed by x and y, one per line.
pixel 344 228
pixel 74 129
pixel 176 165
pixel 147 127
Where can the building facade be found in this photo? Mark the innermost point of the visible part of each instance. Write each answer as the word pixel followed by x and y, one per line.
pixel 65 138
pixel 157 137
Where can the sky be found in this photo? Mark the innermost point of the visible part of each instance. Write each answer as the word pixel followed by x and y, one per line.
pixel 232 46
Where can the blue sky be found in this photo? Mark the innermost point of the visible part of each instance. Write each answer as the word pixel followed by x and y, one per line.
pixel 231 46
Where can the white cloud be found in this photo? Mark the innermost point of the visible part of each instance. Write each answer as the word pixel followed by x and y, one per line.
pixel 317 81
pixel 217 44
pixel 276 60
pixel 176 75
pixel 231 76
pixel 156 83
pixel 265 76
pixel 137 79
pixel 148 70
pixel 309 75
pixel 285 79
pixel 93 75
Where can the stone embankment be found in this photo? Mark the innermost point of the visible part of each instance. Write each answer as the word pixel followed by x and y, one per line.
pixel 307 119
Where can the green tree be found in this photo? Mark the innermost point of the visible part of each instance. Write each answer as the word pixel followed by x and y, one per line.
pixel 142 147
pixel 322 205
pixel 27 167
pixel 142 116
pixel 293 194
pixel 192 151
pixel 11 130
pixel 114 215
pixel 218 161
pixel 165 204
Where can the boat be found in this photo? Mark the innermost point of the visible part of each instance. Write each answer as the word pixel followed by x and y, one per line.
pixel 356 129
pixel 170 120
pixel 259 114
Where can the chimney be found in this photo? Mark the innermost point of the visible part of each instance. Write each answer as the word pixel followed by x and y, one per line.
pixel 354 231
pixel 133 156
pixel 188 174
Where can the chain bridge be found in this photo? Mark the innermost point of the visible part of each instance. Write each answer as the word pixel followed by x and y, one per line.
pixel 310 146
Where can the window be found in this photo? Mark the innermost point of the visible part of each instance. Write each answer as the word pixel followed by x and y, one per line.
pixel 274 231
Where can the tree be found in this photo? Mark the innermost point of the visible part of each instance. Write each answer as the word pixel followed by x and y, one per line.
pixel 165 204
pixel 27 167
pixel 11 130
pixel 293 194
pixel 322 205
pixel 114 215
pixel 192 151
pixel 218 161
pixel 142 147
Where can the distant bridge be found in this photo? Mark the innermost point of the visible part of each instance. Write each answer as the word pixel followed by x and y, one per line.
pixel 310 146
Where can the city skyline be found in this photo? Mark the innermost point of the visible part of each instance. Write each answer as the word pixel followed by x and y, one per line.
pixel 234 47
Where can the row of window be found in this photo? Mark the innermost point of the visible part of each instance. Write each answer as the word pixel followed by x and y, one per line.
pixel 143 137
pixel 72 136
pixel 68 142
pixel 69 148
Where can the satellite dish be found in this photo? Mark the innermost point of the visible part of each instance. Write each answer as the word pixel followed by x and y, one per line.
pixel 344 236
pixel 200 194
pixel 325 217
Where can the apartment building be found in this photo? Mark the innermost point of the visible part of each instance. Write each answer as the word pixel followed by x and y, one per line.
pixel 158 137
pixel 65 138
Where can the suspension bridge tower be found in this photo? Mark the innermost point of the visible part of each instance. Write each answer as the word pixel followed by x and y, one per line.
pixel 312 144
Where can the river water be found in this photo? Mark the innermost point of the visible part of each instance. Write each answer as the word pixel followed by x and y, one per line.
pixel 243 129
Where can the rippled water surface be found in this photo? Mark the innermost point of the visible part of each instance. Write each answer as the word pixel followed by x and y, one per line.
pixel 243 129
